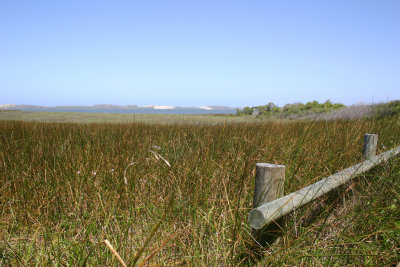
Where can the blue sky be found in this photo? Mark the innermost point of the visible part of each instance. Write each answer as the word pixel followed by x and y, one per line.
pixel 197 53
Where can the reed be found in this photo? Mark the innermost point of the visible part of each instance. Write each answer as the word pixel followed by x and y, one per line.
pixel 66 187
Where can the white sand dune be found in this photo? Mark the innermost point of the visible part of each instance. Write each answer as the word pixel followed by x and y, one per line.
pixel 6 106
pixel 163 107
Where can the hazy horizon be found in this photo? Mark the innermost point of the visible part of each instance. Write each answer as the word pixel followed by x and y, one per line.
pixel 193 54
pixel 188 107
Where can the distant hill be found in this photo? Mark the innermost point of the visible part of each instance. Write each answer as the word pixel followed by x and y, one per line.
pixel 105 106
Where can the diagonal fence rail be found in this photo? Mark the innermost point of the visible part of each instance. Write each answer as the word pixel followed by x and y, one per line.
pixel 266 210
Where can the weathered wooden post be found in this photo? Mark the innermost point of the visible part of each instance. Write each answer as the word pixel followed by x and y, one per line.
pixel 370 144
pixel 269 184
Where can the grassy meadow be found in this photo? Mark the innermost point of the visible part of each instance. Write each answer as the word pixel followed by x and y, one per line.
pixel 179 193
pixel 79 117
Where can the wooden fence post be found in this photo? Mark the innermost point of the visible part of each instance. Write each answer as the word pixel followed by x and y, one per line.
pixel 370 144
pixel 270 179
pixel 269 183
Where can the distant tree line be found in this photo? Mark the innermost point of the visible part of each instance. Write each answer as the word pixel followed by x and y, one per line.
pixel 391 108
pixel 271 109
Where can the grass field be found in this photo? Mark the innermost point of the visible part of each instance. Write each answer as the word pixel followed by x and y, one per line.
pixel 77 117
pixel 179 193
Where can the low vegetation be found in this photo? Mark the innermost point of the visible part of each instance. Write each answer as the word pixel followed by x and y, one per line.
pixel 273 110
pixel 323 111
pixel 82 117
pixel 177 194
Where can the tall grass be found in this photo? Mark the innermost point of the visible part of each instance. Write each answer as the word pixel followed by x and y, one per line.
pixel 174 194
pixel 82 117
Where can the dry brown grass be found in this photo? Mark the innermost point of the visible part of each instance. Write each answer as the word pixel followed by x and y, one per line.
pixel 62 189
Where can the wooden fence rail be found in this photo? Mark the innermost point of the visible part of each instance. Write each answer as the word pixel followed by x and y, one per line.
pixel 267 210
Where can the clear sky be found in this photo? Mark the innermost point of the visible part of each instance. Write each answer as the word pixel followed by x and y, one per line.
pixel 197 53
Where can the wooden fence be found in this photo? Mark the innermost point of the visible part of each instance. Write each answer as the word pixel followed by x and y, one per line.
pixel 269 202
